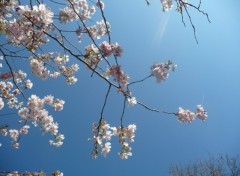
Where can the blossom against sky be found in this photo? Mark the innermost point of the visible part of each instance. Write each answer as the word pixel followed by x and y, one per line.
pixel 207 74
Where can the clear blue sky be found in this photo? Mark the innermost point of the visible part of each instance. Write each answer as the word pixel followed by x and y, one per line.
pixel 207 74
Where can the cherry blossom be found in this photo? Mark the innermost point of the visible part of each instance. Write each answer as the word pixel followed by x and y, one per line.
pixel 36 113
pixel 4 131
pixel 14 134
pixel 28 27
pixel 102 136
pixel 132 101
pixel 125 134
pixel 188 116
pixel 160 70
pixel 106 149
pixel 117 74
pixel 21 31
pixel 92 56
pixel 76 9
pixel 109 49
pixel 24 129
pixel 58 104
pixel 99 29
pixel 100 4
pixel 16 173
pixel 201 113
pixel 167 4
pixel 185 115
pixel 8 95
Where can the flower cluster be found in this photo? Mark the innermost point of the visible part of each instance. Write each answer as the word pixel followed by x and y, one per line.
pixel 160 70
pixel 201 113
pixel 28 29
pixel 117 74
pixel 4 131
pixel 76 9
pixel 92 57
pixel 39 15
pixel 99 29
pixel 38 67
pixel 126 135
pixel 5 9
pixel 18 77
pixel 102 136
pixel 14 134
pixel 5 76
pixel 36 113
pixel 167 5
pixel 16 173
pixel 68 72
pixel 108 49
pixel 188 116
pixel 8 95
pixel 39 116
pixel 58 140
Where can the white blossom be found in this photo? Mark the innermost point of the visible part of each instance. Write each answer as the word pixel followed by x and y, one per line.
pixel 132 101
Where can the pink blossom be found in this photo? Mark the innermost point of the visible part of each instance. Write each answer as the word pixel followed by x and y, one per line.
pixel 201 113
pixel 106 48
pixel 4 131
pixel 58 105
pixel 185 115
pixel 167 4
pixel 117 74
pixel 14 134
pixel 100 4
pixel 160 70
pixel 24 129
pixel 5 76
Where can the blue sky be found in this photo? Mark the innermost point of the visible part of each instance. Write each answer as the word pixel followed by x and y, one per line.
pixel 207 74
